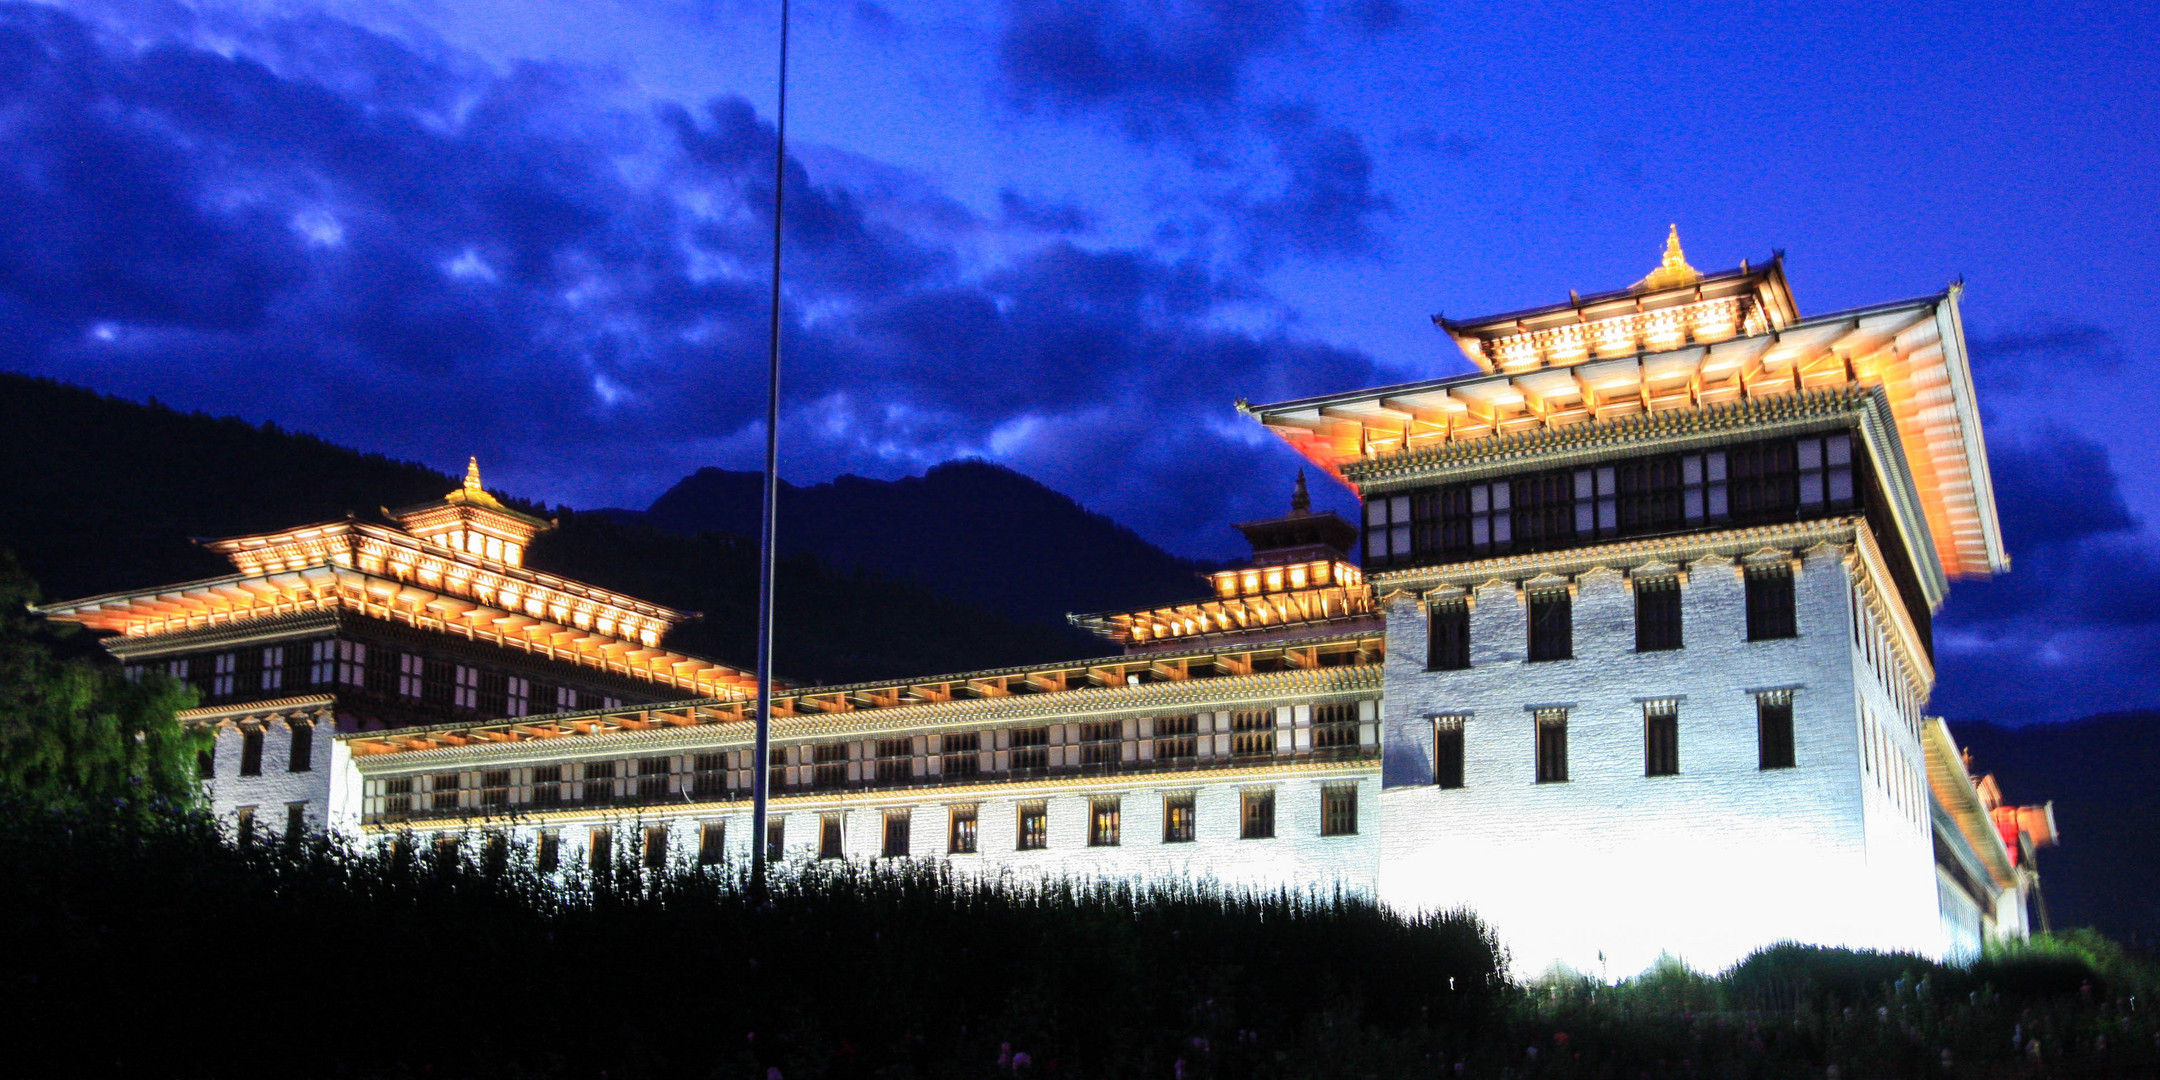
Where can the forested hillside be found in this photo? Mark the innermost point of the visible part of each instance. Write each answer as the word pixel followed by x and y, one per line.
pixel 99 494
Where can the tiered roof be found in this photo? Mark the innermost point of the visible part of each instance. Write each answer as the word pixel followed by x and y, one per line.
pixel 1674 351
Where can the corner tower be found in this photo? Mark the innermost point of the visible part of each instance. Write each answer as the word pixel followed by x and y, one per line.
pixel 1658 582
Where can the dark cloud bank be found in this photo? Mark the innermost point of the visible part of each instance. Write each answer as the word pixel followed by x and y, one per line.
pixel 413 253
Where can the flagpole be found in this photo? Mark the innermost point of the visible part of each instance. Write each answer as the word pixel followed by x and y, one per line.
pixel 760 772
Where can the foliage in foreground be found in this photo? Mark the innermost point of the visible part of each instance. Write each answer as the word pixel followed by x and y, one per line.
pixel 313 959
pixel 74 734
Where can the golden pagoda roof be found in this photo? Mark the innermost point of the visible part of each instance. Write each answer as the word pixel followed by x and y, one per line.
pixel 1673 270
pixel 1657 369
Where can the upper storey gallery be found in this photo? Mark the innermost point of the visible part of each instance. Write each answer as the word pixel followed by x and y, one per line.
pixel 1686 402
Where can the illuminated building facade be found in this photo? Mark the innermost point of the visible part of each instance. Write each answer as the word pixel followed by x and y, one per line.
pixel 1657 582
pixel 1629 654
pixel 351 626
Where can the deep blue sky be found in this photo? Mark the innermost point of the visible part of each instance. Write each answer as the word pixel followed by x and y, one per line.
pixel 1065 236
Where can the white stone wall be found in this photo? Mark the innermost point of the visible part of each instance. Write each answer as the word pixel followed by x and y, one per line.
pixel 1297 857
pixel 1608 870
pixel 278 786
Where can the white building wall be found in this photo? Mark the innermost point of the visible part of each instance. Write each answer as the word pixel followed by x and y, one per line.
pixel 1296 858
pixel 278 786
pixel 1610 869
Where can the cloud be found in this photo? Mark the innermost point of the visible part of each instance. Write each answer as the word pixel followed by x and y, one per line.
pixel 1327 204
pixel 2075 628
pixel 402 249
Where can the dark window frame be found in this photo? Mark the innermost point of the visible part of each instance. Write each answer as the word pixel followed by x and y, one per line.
pixel 1448 751
pixel 1256 814
pixel 1774 744
pixel 1339 809
pixel 1659 619
pixel 1551 745
pixel 1180 817
pixel 1661 739
pixel 1447 643
pixel 1772 603
pixel 1105 821
pixel 897 841
pixel 1550 626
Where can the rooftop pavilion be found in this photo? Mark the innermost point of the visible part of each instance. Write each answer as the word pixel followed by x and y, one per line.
pixel 1683 353
pixel 454 567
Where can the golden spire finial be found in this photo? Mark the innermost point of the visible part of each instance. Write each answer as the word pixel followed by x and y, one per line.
pixel 472 475
pixel 1673 269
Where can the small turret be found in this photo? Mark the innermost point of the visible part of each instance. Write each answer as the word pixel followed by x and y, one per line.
pixel 472 521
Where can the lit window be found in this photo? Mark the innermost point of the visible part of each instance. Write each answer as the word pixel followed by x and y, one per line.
pixel 566 699
pixel 223 677
pixel 1034 826
pixel 352 663
pixel 273 668
pixel 960 837
pixel 411 673
pixel 322 662
pixel 465 692
pixel 1103 822
pixel 1178 818
pixel 517 699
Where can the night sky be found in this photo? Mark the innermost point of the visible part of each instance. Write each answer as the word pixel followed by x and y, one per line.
pixel 1066 236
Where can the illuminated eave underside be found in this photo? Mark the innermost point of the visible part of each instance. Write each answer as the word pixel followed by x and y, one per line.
pixel 1914 351
pixel 1954 793
pixel 1235 614
pixel 378 550
pixel 947 699
pixel 243 598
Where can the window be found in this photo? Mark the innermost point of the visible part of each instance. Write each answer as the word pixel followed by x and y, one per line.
pixel 547 785
pixel 712 843
pixel 830 765
pixel 273 668
pixel 1661 738
pixel 412 676
pixel 963 754
pixel 1466 519
pixel 1252 731
pixel 1034 826
pixel 224 668
pixel 775 839
pixel 132 672
pixel 1177 818
pixel 495 787
pixel 302 758
pixel 1773 729
pixel 1552 626
pixel 1335 725
pixel 244 825
pixel 828 845
pixel 960 834
pixel 599 781
pixel 517 696
pixel 443 792
pixel 708 775
pixel 600 849
pixel 1338 810
pixel 1101 742
pixel 566 699
pixel 177 670
pixel 466 694
pixel 295 820
pixel 1103 821
pixel 1448 646
pixel 322 662
pixel 1176 737
pixel 1770 603
pixel 1825 468
pixel 1551 746
pixel 652 778
pixel 1031 748
pixel 547 851
pixel 896 834
pixel 397 795
pixel 251 746
pixel 206 762
pixel 895 761
pixel 1657 614
pixel 352 663
pixel 610 702
pixel 655 847
pixel 1387 530
pixel 1256 821
pixel 1763 479
pixel 1448 751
